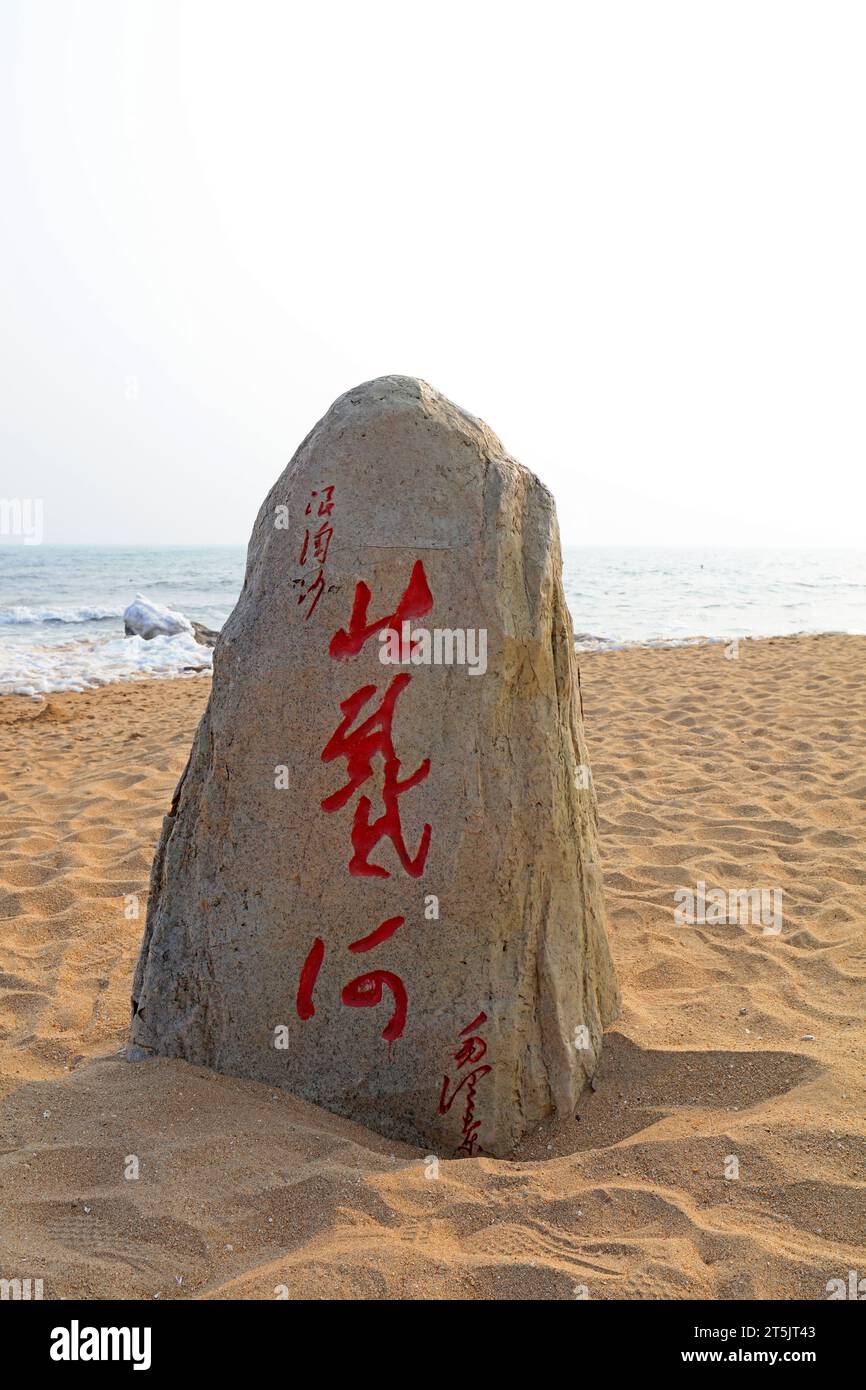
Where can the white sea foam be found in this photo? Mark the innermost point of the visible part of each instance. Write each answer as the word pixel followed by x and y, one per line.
pixel 36 670
pixel 585 642
pixel 149 619
pixel 22 614
pixel 61 608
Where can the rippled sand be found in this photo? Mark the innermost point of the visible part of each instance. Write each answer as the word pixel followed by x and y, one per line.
pixel 732 1043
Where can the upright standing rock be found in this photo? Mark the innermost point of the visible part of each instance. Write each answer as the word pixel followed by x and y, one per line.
pixel 378 884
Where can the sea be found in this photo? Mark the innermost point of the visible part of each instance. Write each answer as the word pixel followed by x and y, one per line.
pixel 61 607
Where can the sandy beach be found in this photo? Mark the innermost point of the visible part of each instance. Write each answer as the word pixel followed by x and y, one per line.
pixel 732 1043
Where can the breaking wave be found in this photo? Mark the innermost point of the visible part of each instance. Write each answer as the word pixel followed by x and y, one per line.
pixel 22 614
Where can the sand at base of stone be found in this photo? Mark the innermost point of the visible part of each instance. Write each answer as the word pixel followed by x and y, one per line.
pixel 703 768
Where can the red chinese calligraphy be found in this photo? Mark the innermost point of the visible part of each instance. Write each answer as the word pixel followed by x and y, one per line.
pixel 416 601
pixel 309 974
pixel 315 546
pixel 365 991
pixel 359 748
pixel 470 1050
pixel 326 506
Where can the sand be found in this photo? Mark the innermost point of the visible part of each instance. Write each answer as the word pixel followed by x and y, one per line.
pixel 732 1043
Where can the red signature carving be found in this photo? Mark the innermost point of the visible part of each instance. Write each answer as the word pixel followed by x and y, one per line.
pixel 471 1049
pixel 315 546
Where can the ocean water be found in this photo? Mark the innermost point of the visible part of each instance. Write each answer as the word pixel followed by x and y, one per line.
pixel 639 595
pixel 61 611
pixel 61 607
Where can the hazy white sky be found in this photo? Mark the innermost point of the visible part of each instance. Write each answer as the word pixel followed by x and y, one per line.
pixel 628 235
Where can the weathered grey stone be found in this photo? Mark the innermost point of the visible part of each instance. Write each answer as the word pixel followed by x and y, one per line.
pixel 206 636
pixel 247 964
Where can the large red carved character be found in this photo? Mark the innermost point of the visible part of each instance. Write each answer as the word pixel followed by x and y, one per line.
pixel 416 601
pixel 365 991
pixel 359 748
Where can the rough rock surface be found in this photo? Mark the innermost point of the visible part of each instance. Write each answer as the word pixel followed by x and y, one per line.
pixel 377 884
pixel 206 636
